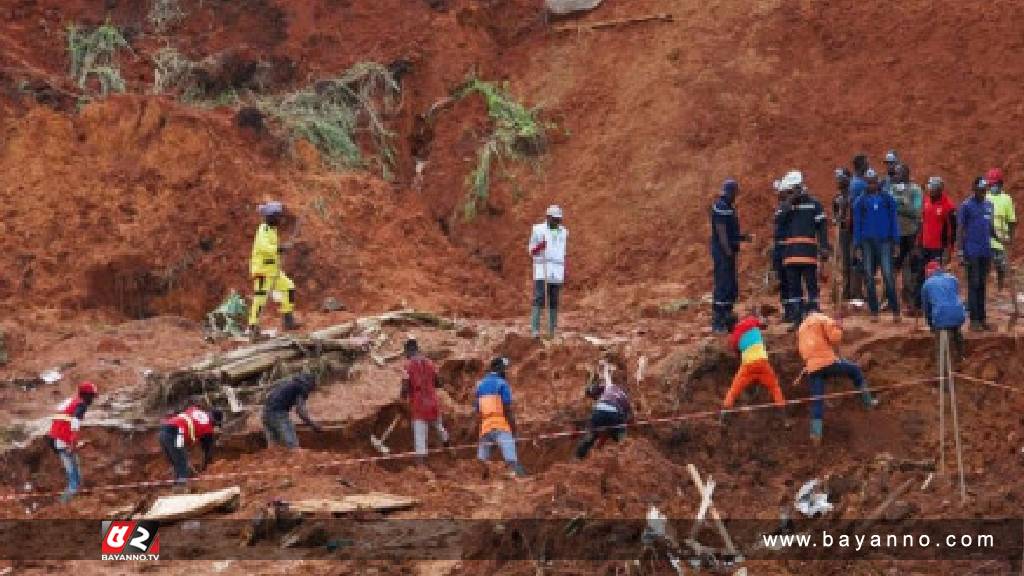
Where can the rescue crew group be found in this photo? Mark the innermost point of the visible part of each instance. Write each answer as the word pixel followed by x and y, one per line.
pixel 882 223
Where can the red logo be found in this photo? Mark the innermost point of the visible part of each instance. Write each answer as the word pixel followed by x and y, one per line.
pixel 130 540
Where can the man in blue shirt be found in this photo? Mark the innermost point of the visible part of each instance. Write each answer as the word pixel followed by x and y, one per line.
pixel 875 234
pixel 976 232
pixel 493 406
pixel 725 244
pixel 941 304
pixel 286 394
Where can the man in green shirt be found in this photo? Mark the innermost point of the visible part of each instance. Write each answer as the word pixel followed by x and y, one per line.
pixel 1004 222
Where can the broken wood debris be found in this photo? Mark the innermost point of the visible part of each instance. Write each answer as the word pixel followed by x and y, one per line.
pixel 663 17
pixel 182 506
pixel 375 501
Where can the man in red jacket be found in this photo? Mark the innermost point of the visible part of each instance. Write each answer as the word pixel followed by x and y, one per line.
pixel 180 432
pixel 64 427
pixel 419 384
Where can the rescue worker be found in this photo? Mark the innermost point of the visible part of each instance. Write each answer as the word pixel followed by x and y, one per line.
pixel 844 231
pixel 908 197
pixel 547 247
pixel 746 339
pixel 780 272
pixel 816 340
pixel 892 162
pixel 419 388
pixel 858 187
pixel 804 241
pixel 940 301
pixel 1005 220
pixel 977 229
pixel 63 435
pixel 493 406
pixel 725 247
pixel 179 432
pixel 265 269
pixel 286 394
pixel 875 233
pixel 938 223
pixel 608 417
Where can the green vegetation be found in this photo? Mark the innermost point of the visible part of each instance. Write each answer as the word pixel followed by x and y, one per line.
pixel 332 113
pixel 93 54
pixel 518 133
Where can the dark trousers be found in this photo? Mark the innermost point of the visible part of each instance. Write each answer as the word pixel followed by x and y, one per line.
pixel 726 288
pixel 799 276
pixel 842 368
pixel 603 424
pixel 178 457
pixel 878 254
pixel 846 263
pixel 977 273
pixel 538 294
pixel 911 267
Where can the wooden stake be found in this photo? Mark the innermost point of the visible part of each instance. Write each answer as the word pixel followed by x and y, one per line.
pixel 956 427
pixel 665 17
pixel 729 546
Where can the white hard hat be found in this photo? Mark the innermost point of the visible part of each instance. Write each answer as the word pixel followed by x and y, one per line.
pixel 554 211
pixel 792 179
pixel 271 208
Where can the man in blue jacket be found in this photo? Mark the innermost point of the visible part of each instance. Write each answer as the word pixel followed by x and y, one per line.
pixel 876 233
pixel 725 245
pixel 976 232
pixel 941 304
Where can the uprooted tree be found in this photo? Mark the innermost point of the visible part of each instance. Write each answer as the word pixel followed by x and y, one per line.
pixel 93 54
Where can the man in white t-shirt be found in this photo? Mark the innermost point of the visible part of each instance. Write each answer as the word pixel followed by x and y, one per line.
pixel 547 247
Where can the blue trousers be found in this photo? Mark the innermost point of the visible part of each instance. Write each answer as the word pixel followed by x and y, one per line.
pixel 878 253
pixel 726 288
pixel 178 457
pixel 70 462
pixel 817 381
pixel 278 428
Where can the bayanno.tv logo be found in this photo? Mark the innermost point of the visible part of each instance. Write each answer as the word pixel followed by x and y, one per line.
pixel 130 540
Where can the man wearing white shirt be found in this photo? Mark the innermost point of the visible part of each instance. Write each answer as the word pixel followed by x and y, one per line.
pixel 547 247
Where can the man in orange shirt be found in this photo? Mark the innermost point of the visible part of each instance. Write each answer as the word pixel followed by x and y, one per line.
pixel 497 421
pixel 816 339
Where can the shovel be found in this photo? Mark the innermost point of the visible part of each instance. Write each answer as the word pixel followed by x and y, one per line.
pixel 378 443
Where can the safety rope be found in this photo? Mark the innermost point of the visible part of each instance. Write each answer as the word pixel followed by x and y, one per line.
pixel 521 439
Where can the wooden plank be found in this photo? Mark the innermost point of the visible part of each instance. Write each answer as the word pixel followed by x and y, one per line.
pixel 376 501
pixel 247 367
pixel 729 546
pixel 182 506
pixel 332 332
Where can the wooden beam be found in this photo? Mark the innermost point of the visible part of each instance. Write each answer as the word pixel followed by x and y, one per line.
pixel 376 501
pixel 182 506
pixel 729 546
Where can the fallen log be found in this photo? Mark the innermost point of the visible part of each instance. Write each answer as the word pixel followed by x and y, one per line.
pixel 376 501
pixel 182 506
pixel 248 367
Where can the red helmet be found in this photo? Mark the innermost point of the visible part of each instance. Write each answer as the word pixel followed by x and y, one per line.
pixel 87 388
pixel 994 176
pixel 932 268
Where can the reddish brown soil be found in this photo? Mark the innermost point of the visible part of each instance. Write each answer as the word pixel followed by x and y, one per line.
pixel 140 206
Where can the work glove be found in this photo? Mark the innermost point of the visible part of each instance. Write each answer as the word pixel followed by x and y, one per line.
pixel 540 247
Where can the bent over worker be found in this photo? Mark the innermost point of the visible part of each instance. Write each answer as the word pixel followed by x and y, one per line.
pixel 181 431
pixel 817 336
pixel 804 240
pixel 547 247
pixel 940 301
pixel 419 387
pixel 63 436
pixel 607 419
pixel 287 393
pixel 265 269
pixel 493 405
pixel 746 339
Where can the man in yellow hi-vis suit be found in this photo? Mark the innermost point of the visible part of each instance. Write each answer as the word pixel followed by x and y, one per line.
pixel 265 269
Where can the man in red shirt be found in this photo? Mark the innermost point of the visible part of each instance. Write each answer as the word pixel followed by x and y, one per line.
pixel 938 225
pixel 180 432
pixel 419 384
pixel 64 427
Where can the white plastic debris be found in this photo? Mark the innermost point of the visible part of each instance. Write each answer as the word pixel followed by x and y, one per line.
pixel 51 376
pixel 811 501
pixel 1020 297
pixel 857 303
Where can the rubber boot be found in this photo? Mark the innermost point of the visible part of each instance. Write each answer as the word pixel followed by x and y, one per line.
pixel 518 469
pixel 868 399
pixel 535 322
pixel 289 323
pixel 816 431
pixel 552 321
